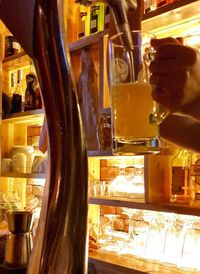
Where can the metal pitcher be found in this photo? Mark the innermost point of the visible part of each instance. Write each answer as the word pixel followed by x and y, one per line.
pixel 19 241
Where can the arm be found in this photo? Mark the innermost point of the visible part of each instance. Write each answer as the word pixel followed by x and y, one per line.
pixel 175 80
pixel 175 77
pixel 183 131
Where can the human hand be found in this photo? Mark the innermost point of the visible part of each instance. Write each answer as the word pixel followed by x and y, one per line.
pixel 176 76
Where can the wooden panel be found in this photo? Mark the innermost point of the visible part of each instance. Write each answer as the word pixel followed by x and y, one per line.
pixel 157 177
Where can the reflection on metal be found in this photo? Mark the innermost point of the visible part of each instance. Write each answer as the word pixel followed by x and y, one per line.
pixel 60 245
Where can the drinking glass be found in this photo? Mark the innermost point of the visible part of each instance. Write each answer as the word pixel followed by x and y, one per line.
pixel 134 114
pixel 174 234
pixel 156 236
pixel 137 235
pixel 111 244
pixel 189 258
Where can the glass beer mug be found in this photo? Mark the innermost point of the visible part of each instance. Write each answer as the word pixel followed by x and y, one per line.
pixel 135 128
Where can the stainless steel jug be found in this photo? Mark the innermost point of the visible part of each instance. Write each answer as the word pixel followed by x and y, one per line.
pixel 19 241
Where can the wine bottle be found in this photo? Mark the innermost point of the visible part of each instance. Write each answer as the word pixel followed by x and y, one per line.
pixel 30 91
pixel 16 104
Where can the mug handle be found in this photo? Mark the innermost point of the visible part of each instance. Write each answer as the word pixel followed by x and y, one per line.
pixel 158 114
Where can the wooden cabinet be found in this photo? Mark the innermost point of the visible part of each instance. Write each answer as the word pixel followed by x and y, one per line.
pixel 17 130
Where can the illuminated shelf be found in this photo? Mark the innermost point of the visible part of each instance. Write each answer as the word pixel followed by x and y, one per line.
pixel 15 61
pixel 26 117
pixel 23 175
pixel 174 19
pixel 181 4
pixel 100 153
pixel 140 204
pixel 120 264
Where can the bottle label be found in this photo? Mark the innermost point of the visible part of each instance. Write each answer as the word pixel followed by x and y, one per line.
pixel 195 169
pixel 93 24
pixel 16 46
pixel 107 21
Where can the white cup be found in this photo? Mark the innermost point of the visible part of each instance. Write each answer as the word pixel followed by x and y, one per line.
pixel 19 163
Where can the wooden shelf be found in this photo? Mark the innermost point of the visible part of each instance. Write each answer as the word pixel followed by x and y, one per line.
pixel 100 153
pixel 26 117
pixel 23 175
pixel 140 204
pixel 176 18
pixel 181 4
pixel 87 41
pixel 120 264
pixel 15 61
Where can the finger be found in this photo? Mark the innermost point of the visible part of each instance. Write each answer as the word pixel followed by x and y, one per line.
pixel 156 43
pixel 165 66
pixel 174 83
pixel 167 90
pixel 163 97
pixel 183 54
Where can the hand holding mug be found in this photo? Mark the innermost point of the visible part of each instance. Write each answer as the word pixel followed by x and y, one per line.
pixel 175 76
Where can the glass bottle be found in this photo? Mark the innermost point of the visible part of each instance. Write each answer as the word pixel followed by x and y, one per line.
pixel 149 5
pixel 107 18
pixel 82 23
pixel 105 138
pixel 30 91
pixel 8 51
pixel 97 17
pixel 94 18
pixel 16 104
pixel 16 46
pixel 13 80
pixel 161 3
pixel 180 176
